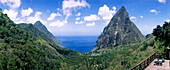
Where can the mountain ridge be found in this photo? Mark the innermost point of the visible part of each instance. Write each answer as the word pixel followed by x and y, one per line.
pixel 43 28
pixel 30 28
pixel 20 50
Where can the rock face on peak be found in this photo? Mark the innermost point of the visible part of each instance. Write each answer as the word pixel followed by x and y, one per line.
pixel 42 28
pixel 120 31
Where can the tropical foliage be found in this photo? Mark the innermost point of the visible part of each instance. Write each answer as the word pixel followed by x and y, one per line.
pixel 24 50
pixel 163 33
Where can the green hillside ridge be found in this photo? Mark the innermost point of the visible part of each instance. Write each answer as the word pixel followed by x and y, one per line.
pixel 42 28
pixel 36 32
pixel 22 50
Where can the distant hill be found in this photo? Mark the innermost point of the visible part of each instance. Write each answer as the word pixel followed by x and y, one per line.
pixel 42 28
pixel 120 31
pixel 36 32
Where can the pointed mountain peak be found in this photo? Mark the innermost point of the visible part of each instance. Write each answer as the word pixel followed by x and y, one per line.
pixel 43 28
pixel 123 11
pixel 123 7
pixel 38 22
pixel 120 31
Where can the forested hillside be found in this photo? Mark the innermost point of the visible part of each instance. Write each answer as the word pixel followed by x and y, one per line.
pixel 30 28
pixel 42 28
pixel 22 50
pixel 125 56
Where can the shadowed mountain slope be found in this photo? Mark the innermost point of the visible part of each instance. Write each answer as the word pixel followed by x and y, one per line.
pixel 42 28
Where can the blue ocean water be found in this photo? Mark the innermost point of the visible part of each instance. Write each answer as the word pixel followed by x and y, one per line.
pixel 81 44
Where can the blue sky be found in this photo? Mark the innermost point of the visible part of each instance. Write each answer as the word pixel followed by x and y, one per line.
pixel 85 17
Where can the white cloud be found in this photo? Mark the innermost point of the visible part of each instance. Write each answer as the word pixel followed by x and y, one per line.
pixel 114 8
pixel 133 17
pixel 12 14
pixel 154 11
pixel 37 14
pixel 58 9
pixel 105 13
pixel 78 14
pixel 81 22
pixel 53 15
pixel 91 18
pixel 162 1
pixel 69 5
pixel 35 18
pixel 90 24
pixel 74 4
pixel 13 4
pixel 78 18
pixel 141 16
pixel 26 12
pixel 58 23
pixel 168 20
pixel 20 21
pixel 31 19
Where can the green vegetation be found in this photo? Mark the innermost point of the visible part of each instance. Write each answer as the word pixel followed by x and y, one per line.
pixel 163 33
pixel 31 49
pixel 36 32
pixel 120 57
pixel 22 50
pixel 42 28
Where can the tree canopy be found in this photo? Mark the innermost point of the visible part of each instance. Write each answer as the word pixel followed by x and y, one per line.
pixel 162 33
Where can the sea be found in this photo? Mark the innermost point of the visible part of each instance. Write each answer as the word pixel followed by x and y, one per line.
pixel 81 44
